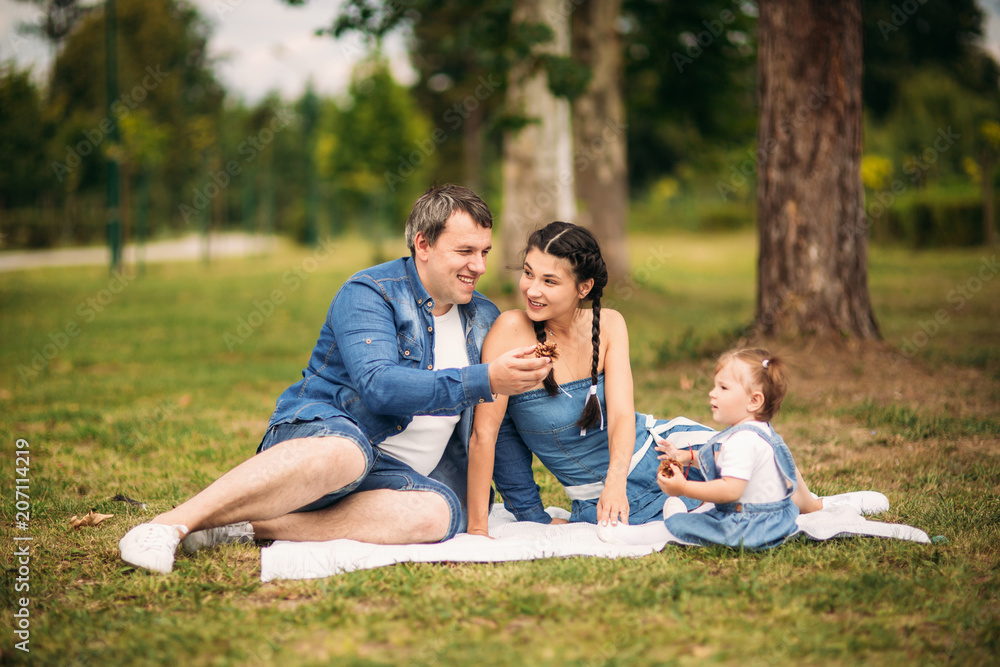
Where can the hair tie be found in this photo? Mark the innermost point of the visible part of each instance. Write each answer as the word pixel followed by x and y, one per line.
pixel 765 363
pixel 593 392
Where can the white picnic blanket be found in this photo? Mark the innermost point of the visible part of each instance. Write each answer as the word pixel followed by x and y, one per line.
pixel 514 540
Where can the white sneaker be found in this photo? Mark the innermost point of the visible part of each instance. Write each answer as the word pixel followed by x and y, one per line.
pixel 609 534
pixel 865 502
pixel 643 534
pixel 151 546
pixel 672 506
pixel 234 533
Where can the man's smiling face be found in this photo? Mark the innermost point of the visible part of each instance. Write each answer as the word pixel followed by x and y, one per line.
pixel 451 268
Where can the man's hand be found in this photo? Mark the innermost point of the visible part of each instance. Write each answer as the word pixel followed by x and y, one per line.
pixel 518 370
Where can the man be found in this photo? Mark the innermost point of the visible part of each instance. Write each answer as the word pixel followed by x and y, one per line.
pixel 372 443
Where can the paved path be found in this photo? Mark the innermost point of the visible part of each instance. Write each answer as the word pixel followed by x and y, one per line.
pixel 227 244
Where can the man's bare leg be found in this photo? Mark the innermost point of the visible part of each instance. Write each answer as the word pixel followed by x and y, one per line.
pixel 273 483
pixel 270 484
pixel 383 516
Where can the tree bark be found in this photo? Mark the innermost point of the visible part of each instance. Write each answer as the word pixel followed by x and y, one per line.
pixel 537 159
pixel 812 267
pixel 599 132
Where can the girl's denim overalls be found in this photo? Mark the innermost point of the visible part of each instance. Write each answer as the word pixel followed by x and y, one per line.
pixel 748 525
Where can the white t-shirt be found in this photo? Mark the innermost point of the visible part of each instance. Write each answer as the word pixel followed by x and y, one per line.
pixel 421 444
pixel 746 455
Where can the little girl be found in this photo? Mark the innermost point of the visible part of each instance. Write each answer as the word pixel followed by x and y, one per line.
pixel 749 470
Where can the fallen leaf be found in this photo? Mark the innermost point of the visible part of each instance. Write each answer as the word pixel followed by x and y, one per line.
pixel 184 400
pixel 92 518
pixel 686 382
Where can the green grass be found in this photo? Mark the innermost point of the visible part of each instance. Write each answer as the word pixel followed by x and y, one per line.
pixel 911 424
pixel 151 399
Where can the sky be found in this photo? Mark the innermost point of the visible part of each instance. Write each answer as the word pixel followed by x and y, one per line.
pixel 266 45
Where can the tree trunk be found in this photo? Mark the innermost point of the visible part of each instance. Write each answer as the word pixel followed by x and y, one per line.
pixel 537 159
pixel 812 268
pixel 599 132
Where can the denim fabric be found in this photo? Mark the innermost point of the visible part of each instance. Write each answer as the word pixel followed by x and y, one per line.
pixel 545 426
pixel 372 359
pixel 338 427
pixel 747 525
pixel 381 470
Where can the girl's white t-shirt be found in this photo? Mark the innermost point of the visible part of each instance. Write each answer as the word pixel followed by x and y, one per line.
pixel 746 455
pixel 421 444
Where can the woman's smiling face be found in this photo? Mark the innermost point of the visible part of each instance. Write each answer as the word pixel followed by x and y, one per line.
pixel 548 286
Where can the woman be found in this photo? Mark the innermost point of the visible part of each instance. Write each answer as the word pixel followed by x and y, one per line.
pixel 581 423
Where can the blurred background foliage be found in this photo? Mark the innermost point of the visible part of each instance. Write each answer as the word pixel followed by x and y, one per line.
pixel 194 157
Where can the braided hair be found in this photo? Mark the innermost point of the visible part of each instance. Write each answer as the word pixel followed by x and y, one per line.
pixel 580 249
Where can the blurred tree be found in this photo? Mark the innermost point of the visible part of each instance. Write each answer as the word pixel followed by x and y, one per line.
pixel 58 19
pixel 933 125
pixel 690 82
pixel 461 51
pixel 467 51
pixel 812 267
pixel 538 152
pixel 902 38
pixel 599 139
pixel 989 150
pixel 691 72
pixel 384 149
pixel 202 134
pixel 23 135
pixel 309 110
pixel 876 171
pixel 257 150
pixel 291 167
pixel 163 70
pixel 142 147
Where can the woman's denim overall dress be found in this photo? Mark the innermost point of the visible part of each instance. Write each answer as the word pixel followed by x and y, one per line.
pixel 579 460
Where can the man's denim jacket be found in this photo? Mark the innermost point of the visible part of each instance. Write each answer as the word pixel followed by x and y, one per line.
pixel 373 360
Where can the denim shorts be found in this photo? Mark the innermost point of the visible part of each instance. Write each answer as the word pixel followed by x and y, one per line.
pixel 381 470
